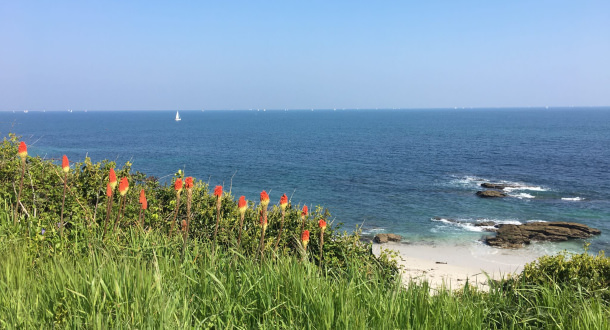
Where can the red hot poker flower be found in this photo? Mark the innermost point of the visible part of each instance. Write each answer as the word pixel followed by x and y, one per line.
pixel 284 201
pixel 123 186
pixel 65 164
pixel 142 197
pixel 23 150
pixel 218 191
pixel 188 182
pixel 112 178
pixel 145 205
pixel 305 211
pixel 264 198
pixel 108 190
pixel 322 224
pixel 242 205
pixel 305 238
pixel 178 185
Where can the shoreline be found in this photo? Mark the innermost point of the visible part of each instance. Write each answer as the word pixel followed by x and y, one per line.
pixel 450 265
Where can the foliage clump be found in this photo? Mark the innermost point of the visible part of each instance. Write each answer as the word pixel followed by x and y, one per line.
pixel 590 273
pixel 85 213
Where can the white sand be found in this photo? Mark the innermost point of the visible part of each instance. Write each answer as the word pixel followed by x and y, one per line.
pixel 451 265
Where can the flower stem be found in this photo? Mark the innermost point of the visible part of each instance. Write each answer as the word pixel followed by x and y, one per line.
pixel 108 211
pixel 241 224
pixel 120 213
pixel 189 196
pixel 321 245
pixel 19 193
pixel 63 200
pixel 279 235
pixel 171 229
pixel 218 202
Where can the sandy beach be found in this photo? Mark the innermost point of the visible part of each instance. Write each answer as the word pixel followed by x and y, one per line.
pixel 452 264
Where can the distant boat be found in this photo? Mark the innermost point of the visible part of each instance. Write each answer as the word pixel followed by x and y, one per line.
pixel 25 111
pixel 178 116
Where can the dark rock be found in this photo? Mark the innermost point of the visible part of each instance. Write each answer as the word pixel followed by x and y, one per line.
pixel 500 186
pixel 485 224
pixel 516 236
pixel 384 238
pixel 490 194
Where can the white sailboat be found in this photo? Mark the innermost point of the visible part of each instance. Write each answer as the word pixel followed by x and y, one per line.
pixel 178 116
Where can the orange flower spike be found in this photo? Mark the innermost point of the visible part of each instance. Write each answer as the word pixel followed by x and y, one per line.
pixel 322 224
pixel 65 164
pixel 178 185
pixel 123 186
pixel 305 238
pixel 142 196
pixel 218 191
pixel 108 190
pixel 242 205
pixel 188 182
pixel 145 205
pixel 23 150
pixel 284 202
pixel 112 178
pixel 305 211
pixel 264 198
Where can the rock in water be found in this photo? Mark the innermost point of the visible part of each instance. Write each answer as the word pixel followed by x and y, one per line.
pixel 384 238
pixel 500 186
pixel 490 194
pixel 516 236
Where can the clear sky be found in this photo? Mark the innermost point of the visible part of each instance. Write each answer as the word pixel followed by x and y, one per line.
pixel 129 55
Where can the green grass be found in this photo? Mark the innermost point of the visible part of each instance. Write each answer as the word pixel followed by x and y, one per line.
pixel 141 282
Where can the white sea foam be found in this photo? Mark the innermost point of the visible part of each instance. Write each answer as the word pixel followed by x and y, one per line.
pixel 470 181
pixel 524 187
pixel 574 199
pixel 522 195
pixel 470 224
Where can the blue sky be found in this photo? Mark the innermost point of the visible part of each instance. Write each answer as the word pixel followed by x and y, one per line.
pixel 130 55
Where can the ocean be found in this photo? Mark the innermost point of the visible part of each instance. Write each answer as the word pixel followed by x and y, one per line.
pixel 397 171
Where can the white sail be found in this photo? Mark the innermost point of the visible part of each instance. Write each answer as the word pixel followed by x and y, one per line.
pixel 178 116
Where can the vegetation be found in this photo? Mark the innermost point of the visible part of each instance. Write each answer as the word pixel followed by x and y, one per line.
pixel 136 276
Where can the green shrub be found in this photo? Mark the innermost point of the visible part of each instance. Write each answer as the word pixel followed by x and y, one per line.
pixel 589 272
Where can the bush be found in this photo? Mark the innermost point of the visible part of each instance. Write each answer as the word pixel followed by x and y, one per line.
pixel 589 272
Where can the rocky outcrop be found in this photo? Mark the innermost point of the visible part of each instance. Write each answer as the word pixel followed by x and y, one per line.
pixel 490 194
pixel 384 238
pixel 485 224
pixel 500 186
pixel 516 236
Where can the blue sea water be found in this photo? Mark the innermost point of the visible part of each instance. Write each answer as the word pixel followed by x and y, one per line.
pixel 387 170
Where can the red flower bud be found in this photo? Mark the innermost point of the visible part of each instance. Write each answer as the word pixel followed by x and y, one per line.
pixel 23 150
pixel 142 197
pixel 65 164
pixel 218 191
pixel 264 198
pixel 108 190
pixel 284 201
pixel 112 178
pixel 242 205
pixel 178 185
pixel 305 211
pixel 305 237
pixel 322 224
pixel 188 182
pixel 123 186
